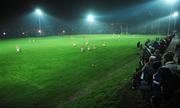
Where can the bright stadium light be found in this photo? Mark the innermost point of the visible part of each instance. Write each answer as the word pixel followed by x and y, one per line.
pixel 39 12
pixel 170 1
pixel 175 14
pixel 90 18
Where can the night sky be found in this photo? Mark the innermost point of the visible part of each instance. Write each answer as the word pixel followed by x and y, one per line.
pixel 76 9
pixel 66 9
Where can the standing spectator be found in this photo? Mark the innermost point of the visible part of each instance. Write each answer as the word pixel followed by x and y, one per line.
pixel 146 79
pixel 156 87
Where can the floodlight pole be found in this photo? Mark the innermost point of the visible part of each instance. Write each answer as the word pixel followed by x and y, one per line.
pixel 152 28
pixel 175 23
pixel 121 29
pixel 39 24
pixel 39 14
pixel 90 20
pixel 169 20
pixel 159 26
pixel 89 27
pixel 126 29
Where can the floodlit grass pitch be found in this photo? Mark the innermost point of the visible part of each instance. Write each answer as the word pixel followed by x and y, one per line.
pixel 52 72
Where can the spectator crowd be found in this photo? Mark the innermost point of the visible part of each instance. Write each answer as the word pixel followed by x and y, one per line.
pixel 158 74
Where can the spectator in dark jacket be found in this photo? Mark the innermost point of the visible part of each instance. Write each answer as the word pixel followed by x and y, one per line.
pixel 146 79
pixel 169 62
pixel 156 87
pixel 157 54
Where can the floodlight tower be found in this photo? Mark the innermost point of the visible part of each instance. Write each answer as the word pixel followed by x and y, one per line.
pixel 90 20
pixel 171 3
pixel 175 15
pixel 39 14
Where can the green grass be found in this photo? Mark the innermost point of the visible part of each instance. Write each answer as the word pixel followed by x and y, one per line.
pixel 51 73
